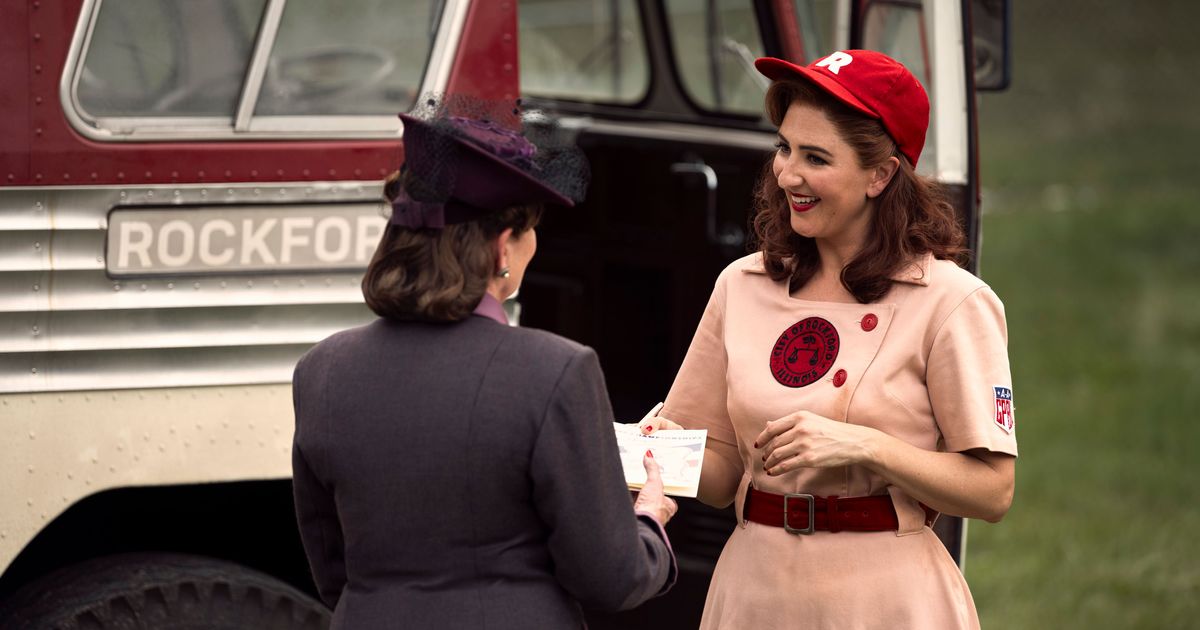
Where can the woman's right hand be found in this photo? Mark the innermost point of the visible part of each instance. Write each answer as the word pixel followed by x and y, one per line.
pixel 656 423
pixel 651 499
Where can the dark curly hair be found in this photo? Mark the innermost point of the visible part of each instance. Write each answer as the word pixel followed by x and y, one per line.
pixel 437 275
pixel 912 216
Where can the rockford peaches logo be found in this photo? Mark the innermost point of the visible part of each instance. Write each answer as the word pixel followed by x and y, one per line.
pixel 804 352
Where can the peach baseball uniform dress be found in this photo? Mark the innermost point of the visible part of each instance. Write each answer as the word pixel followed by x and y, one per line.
pixel 927 364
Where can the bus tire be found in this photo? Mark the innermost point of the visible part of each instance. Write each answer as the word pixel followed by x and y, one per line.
pixel 160 591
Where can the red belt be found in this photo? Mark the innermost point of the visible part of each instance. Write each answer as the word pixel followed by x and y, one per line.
pixel 805 513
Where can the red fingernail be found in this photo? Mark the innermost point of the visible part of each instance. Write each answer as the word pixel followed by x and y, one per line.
pixel 646 429
pixel 649 454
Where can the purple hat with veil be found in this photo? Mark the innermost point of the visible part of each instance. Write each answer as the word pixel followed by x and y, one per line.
pixel 465 158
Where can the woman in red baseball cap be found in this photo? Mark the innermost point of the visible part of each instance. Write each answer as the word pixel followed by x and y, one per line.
pixel 853 378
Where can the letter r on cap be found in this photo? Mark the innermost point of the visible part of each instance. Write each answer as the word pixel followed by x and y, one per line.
pixel 835 61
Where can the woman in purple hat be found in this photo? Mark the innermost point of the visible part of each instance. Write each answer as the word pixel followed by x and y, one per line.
pixel 853 378
pixel 450 470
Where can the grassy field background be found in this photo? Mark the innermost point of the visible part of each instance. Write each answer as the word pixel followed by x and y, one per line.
pixel 1092 238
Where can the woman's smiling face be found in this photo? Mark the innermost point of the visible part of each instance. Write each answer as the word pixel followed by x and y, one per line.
pixel 828 192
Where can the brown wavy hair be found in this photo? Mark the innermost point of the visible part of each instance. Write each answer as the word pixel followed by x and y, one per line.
pixel 438 275
pixel 912 216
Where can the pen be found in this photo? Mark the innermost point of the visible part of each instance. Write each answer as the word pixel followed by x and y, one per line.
pixel 652 413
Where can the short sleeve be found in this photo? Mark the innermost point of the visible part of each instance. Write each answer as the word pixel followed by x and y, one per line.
pixel 969 380
pixel 697 399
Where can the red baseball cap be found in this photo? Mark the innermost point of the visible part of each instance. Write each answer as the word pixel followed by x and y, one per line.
pixel 870 82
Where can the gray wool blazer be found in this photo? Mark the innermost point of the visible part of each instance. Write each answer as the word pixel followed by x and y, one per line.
pixel 465 475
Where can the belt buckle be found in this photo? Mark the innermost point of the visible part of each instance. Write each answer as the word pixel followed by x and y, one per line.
pixel 812 511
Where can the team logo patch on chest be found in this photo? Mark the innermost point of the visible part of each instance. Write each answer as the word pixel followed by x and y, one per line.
pixel 804 352
pixel 1004 408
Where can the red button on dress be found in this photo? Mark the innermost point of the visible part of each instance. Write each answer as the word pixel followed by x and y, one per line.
pixel 839 378
pixel 869 322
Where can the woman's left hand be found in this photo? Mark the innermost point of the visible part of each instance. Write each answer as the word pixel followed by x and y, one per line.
pixel 806 440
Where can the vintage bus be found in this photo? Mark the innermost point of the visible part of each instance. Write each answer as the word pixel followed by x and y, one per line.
pixel 190 191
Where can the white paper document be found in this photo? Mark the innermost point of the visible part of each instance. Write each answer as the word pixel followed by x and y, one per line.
pixel 679 453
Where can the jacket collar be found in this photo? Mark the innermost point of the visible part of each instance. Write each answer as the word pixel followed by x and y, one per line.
pixel 492 309
pixel 915 272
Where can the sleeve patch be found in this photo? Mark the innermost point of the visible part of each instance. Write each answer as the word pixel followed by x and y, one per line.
pixel 1004 409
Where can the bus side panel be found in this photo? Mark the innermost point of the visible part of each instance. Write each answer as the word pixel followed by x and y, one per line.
pixel 490 34
pixel 63 447
pixel 15 97
pixel 60 156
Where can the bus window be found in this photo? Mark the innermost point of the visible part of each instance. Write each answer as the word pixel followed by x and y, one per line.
pixel 818 27
pixel 583 50
pixel 715 45
pixel 350 57
pixel 246 68
pixel 897 29
pixel 141 62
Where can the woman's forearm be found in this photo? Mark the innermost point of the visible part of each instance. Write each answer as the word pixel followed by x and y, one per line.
pixel 973 484
pixel 720 475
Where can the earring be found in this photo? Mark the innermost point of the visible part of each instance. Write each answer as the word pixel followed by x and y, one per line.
pixel 504 272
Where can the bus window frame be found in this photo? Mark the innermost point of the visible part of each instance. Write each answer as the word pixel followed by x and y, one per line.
pixel 768 35
pixel 634 104
pixel 244 124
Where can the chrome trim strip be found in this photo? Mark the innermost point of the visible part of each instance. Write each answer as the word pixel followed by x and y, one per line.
pixel 841 35
pixel 962 545
pixel 125 127
pixel 72 202
pixel 949 91
pixel 437 73
pixel 141 369
pixel 316 126
pixel 30 250
pixel 65 325
pixel 261 127
pixel 676 132
pixel 145 329
pixel 68 84
pixel 92 290
pixel 258 64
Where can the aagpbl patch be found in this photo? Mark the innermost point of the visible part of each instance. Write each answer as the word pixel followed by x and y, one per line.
pixel 1004 409
pixel 804 352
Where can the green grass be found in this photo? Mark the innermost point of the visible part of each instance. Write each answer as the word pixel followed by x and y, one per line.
pixel 1103 307
pixel 1092 239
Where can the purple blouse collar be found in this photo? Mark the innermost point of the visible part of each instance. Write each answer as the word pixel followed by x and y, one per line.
pixel 491 308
